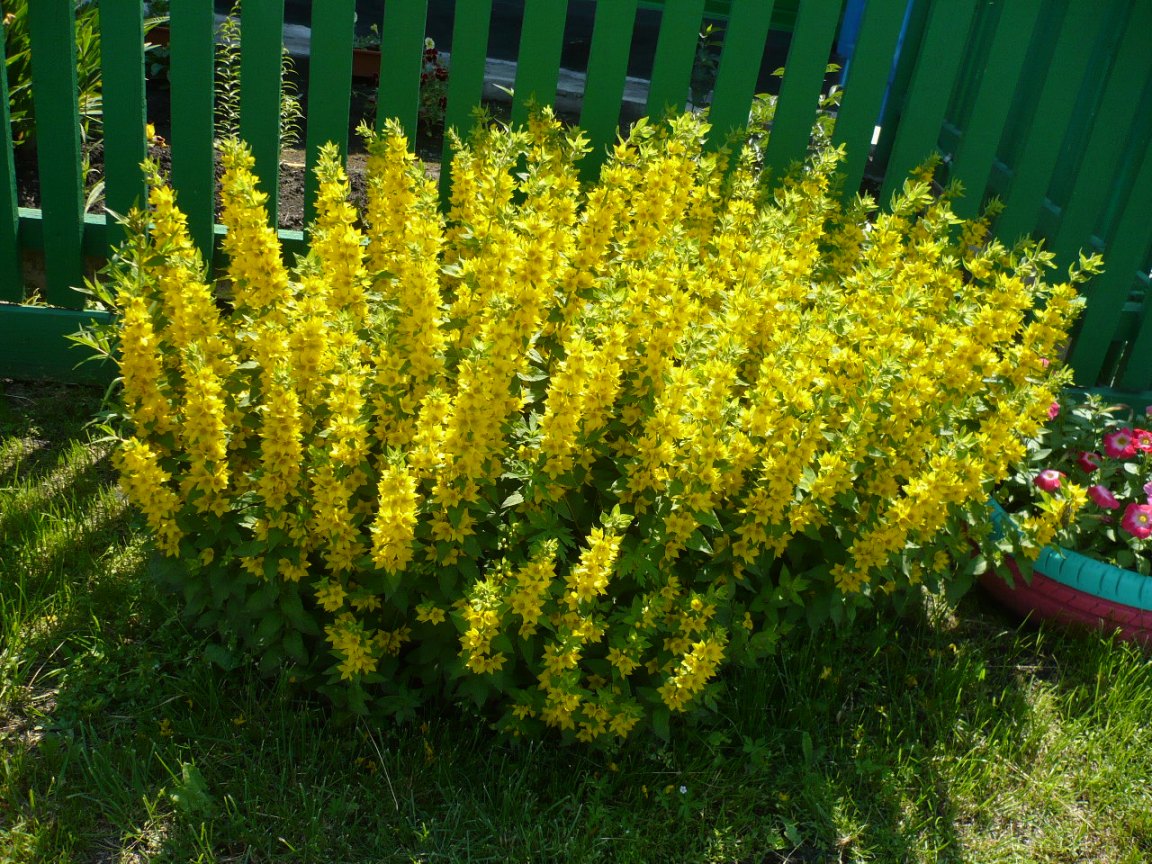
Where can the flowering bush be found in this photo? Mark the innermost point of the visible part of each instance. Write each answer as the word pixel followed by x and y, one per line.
pixel 1086 484
pixel 568 451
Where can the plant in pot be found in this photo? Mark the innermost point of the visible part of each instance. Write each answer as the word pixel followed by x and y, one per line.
pixel 1074 520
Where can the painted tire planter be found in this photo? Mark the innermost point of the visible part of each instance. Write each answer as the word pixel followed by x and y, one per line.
pixel 1073 589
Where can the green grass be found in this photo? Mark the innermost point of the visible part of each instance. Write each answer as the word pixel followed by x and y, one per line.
pixel 949 735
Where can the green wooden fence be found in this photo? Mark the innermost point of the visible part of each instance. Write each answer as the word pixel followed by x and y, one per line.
pixel 1045 103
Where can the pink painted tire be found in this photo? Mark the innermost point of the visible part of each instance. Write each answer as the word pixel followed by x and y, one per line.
pixel 1073 589
pixel 1044 598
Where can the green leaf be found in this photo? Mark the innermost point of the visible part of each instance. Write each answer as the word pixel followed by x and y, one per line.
pixel 661 723
pixel 220 656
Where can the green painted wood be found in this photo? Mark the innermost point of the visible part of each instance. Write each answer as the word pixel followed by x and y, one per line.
pixel 402 41
pixel 675 56
pixel 11 276
pixel 330 83
pixel 192 79
pixel 739 68
pixel 538 60
pixel 52 35
pixel 972 164
pixel 122 68
pixel 466 81
pixel 33 346
pixel 864 90
pixel 803 80
pixel 1111 125
pixel 607 71
pixel 1108 293
pixel 1138 376
pixel 1057 100
pixel 902 72
pixel 261 46
pixel 939 58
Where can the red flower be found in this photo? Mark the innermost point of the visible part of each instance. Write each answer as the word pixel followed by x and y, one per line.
pixel 1137 520
pixel 1103 496
pixel 1049 479
pixel 1143 440
pixel 1120 444
pixel 1088 461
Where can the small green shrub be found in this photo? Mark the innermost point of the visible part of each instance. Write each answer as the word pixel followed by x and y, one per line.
pixel 567 451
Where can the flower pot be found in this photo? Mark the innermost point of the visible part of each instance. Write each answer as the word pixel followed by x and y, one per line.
pixel 1074 589
pixel 365 63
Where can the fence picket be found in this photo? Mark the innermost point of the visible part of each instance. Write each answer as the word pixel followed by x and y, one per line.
pixel 803 78
pixel 1137 377
pixel 675 55
pixel 193 84
pixel 538 60
pixel 53 23
pixel 122 68
pixel 607 71
pixel 1001 73
pixel 1054 107
pixel 739 69
pixel 261 43
pixel 864 90
pixel 329 87
pixel 1127 253
pixel 11 276
pixel 402 41
pixel 945 37
pixel 466 83
pixel 1111 123
pixel 903 69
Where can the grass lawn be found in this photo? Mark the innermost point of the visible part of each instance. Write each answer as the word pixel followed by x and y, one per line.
pixel 949 736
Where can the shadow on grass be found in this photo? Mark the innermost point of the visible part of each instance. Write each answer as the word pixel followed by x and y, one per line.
pixel 883 746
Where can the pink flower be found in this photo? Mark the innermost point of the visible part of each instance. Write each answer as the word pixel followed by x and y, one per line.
pixel 1137 520
pixel 1143 440
pixel 1103 496
pixel 1120 444
pixel 1088 461
pixel 1148 491
pixel 1049 479
pixel 1053 410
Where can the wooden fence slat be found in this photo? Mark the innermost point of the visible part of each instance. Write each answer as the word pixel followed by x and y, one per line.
pixel 981 137
pixel 11 276
pixel 1137 377
pixel 1057 100
pixel 607 71
pixel 193 82
pixel 402 41
pixel 52 34
pixel 675 55
pixel 803 79
pixel 945 37
pixel 864 90
pixel 538 60
pixel 466 81
pixel 33 345
pixel 329 87
pixel 122 68
pixel 739 69
pixel 1109 291
pixel 261 45
pixel 1111 123
pixel 902 71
